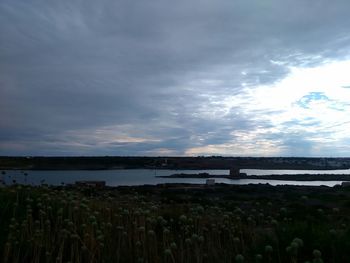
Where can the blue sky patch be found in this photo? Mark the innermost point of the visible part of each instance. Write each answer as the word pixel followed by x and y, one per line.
pixel 305 101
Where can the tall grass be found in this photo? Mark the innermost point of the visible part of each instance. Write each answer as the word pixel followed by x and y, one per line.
pixel 46 224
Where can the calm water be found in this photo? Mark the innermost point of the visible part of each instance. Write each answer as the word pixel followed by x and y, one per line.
pixel 147 176
pixel 268 172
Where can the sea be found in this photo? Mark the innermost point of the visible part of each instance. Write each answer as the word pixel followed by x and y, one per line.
pixel 129 177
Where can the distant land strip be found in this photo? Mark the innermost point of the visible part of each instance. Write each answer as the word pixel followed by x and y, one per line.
pixel 283 177
pixel 171 162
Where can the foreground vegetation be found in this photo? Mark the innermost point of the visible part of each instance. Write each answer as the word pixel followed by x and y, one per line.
pixel 175 224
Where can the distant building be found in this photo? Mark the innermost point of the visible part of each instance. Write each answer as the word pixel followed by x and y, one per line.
pixel 234 172
pixel 165 163
pixel 210 182
pixel 97 184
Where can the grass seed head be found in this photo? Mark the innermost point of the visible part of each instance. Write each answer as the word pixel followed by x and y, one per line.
pixel 268 249
pixel 239 258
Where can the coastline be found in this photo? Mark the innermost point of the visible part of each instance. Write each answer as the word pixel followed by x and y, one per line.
pixel 283 177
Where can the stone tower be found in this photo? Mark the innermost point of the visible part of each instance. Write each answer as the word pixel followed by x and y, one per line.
pixel 234 172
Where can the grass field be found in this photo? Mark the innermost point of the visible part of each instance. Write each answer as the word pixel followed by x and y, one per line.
pixel 175 224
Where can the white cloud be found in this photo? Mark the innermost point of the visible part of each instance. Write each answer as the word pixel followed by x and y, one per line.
pixel 325 120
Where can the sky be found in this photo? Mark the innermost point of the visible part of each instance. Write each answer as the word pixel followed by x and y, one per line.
pixel 175 78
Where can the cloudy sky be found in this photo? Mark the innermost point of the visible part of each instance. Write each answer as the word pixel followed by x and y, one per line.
pixel 186 77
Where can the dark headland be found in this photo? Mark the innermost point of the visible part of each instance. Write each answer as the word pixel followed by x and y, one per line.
pixel 284 177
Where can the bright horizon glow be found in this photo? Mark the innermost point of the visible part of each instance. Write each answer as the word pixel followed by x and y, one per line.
pixel 329 110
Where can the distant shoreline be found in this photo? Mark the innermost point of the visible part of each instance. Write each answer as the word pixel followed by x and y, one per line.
pixel 172 162
pixel 282 177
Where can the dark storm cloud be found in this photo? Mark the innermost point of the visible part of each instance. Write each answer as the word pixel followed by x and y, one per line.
pixel 123 77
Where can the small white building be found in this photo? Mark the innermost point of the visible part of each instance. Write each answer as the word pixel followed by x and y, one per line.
pixel 210 182
pixel 97 184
